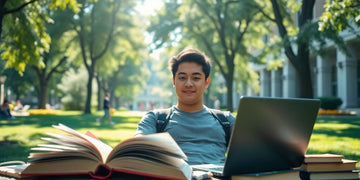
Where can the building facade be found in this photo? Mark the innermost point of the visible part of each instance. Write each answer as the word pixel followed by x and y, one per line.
pixel 335 74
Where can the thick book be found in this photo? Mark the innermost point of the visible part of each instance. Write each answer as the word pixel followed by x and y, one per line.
pixel 344 165
pixel 323 158
pixel 272 175
pixel 74 153
pixel 354 174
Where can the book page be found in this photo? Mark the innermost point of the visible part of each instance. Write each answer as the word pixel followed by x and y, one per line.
pixel 57 154
pixel 102 148
pixel 161 143
pixel 178 169
pixel 73 142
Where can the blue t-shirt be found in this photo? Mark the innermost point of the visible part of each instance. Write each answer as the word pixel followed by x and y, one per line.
pixel 199 134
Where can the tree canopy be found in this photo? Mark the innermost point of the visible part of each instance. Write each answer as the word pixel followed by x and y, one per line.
pixel 340 15
pixel 23 36
pixel 224 30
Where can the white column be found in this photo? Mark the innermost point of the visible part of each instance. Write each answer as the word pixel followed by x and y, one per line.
pixel 323 75
pixel 276 83
pixel 347 79
pixel 265 83
pixel 2 93
pixel 289 81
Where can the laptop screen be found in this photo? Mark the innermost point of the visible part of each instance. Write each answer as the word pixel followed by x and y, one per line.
pixel 270 134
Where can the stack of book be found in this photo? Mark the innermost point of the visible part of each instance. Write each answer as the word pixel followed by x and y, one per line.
pixel 315 167
pixel 329 166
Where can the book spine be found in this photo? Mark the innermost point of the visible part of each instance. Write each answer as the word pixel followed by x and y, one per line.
pixel 304 175
pixel 101 172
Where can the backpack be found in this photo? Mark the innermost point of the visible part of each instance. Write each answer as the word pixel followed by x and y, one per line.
pixel 165 114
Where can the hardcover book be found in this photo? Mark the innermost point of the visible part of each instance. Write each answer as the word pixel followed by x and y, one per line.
pixel 74 153
pixel 354 174
pixel 323 158
pixel 344 165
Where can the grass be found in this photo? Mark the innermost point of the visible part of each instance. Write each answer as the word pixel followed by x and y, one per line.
pixel 338 135
pixel 27 131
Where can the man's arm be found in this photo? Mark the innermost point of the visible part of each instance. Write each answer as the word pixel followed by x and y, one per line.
pixel 147 124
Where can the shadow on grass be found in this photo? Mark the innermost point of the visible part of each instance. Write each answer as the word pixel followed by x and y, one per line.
pixel 20 149
pixel 340 119
pixel 73 121
pixel 352 132
pixel 349 132
pixel 17 151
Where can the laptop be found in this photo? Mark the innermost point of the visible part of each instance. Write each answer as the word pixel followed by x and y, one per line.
pixel 269 134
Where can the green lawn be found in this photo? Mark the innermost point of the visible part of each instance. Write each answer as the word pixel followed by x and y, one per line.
pixel 340 135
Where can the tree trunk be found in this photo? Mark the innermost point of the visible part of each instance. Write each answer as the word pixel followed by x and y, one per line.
pixel 304 71
pixel 42 93
pixel 301 60
pixel 229 98
pixel 89 91
pixel 99 102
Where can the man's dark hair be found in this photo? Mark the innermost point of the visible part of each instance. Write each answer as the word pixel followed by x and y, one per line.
pixel 190 55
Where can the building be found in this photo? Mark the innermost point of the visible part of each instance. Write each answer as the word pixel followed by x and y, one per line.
pixel 153 95
pixel 335 74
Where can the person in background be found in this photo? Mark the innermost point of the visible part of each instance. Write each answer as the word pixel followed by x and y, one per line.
pixel 18 106
pixel 5 110
pixel 107 108
pixel 198 133
pixel 216 103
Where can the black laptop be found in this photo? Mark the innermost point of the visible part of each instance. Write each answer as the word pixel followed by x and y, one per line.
pixel 269 134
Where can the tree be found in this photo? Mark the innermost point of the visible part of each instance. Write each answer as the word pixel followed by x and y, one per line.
pixel 301 36
pixel 96 26
pixel 301 59
pixel 221 28
pixel 73 85
pixel 23 37
pixel 19 85
pixel 300 33
pixel 55 60
pixel 340 15
pixel 122 66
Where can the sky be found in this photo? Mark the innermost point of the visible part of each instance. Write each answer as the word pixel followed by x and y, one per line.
pixel 148 7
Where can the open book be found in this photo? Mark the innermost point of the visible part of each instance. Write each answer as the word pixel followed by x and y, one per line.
pixel 74 153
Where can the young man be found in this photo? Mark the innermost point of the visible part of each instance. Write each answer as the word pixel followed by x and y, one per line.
pixel 107 112
pixel 192 125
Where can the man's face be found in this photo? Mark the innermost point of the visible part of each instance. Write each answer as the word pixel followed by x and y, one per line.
pixel 190 83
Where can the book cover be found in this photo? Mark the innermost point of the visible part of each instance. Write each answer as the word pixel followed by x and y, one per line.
pixel 323 158
pixel 13 170
pixel 74 153
pixel 344 165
